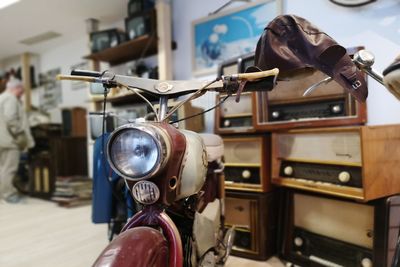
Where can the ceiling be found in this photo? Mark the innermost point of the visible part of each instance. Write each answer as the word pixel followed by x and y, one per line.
pixel 29 18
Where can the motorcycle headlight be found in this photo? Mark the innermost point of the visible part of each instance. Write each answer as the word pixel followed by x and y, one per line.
pixel 137 152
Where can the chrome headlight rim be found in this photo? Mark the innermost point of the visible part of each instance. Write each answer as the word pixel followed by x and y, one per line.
pixel 159 137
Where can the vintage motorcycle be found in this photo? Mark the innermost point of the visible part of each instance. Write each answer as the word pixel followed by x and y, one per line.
pixel 176 175
pixel 167 170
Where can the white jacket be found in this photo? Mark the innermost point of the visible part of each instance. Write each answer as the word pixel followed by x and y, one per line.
pixel 13 122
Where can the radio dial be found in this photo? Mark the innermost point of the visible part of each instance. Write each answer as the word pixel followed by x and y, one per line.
pixel 275 114
pixel 246 174
pixel 288 170
pixel 227 123
pixel 344 177
pixel 298 241
pixel 366 262
pixel 336 109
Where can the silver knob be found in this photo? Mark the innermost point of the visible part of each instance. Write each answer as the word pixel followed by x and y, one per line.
pixel 344 177
pixel 336 109
pixel 298 241
pixel 227 123
pixel 275 114
pixel 246 174
pixel 364 60
pixel 288 170
pixel 366 262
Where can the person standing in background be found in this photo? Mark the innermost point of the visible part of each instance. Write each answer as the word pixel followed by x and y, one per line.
pixel 15 136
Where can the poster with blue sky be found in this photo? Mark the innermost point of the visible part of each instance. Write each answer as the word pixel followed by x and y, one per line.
pixel 226 35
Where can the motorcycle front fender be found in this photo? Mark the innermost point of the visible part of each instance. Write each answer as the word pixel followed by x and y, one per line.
pixel 136 247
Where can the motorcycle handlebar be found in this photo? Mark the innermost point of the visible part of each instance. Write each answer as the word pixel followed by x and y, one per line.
pixel 261 80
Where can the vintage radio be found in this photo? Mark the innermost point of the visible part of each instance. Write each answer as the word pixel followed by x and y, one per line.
pixel 135 6
pixel 254 216
pixel 101 40
pixel 140 24
pixel 230 116
pixel 247 163
pixel 326 231
pixel 361 162
pixel 329 104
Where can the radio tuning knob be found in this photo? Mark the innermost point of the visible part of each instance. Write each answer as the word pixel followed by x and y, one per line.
pixel 298 241
pixel 246 174
pixel 227 123
pixel 344 177
pixel 336 109
pixel 366 262
pixel 275 114
pixel 288 170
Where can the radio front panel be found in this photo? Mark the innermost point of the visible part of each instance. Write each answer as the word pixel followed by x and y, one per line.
pixel 232 109
pixel 230 116
pixel 233 117
pixel 285 107
pixel 320 146
pixel 321 216
pixel 255 220
pixel 239 150
pixel 247 163
pixel 327 231
pixel 361 162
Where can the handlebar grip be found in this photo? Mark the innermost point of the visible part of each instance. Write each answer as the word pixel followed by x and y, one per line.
pixel 76 78
pixel 87 73
pixel 253 76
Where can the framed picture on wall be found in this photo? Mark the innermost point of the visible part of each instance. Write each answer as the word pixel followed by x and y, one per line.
pixel 51 95
pixel 229 33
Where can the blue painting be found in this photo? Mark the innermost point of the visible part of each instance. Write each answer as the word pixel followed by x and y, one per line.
pixel 221 37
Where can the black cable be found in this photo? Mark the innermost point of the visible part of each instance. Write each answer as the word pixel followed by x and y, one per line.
pixel 203 112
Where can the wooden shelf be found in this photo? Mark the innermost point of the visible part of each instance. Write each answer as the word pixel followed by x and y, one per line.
pixel 128 51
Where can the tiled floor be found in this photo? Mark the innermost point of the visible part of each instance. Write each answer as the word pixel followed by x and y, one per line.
pixel 39 233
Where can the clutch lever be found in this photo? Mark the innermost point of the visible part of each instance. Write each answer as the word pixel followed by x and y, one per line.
pixel 315 85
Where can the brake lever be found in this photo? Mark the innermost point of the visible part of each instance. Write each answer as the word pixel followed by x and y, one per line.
pixel 315 85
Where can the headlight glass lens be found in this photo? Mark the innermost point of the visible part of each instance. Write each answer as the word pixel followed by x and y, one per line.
pixel 134 153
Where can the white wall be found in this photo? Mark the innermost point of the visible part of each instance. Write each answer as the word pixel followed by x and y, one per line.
pixel 376 26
